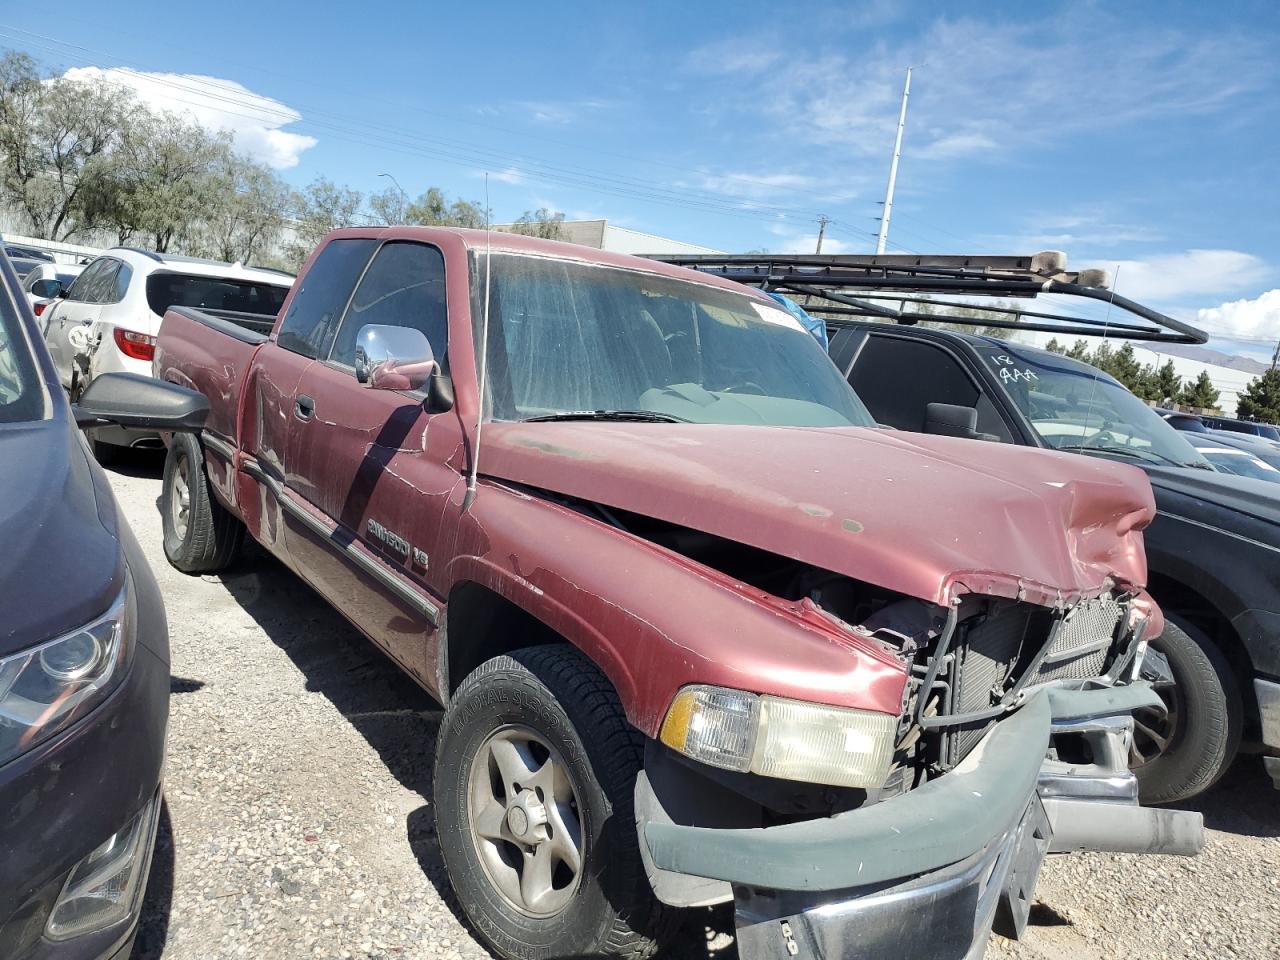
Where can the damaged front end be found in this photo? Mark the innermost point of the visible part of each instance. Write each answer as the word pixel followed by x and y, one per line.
pixel 1013 742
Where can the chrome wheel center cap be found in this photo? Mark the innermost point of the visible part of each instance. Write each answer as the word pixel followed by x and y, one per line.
pixel 527 818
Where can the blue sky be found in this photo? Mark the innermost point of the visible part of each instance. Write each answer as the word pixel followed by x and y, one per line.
pixel 1141 136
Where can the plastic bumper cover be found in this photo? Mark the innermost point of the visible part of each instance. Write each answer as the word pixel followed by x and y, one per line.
pixel 927 873
pixel 1268 696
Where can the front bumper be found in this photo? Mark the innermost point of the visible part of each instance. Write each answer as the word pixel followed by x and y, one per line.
pixel 928 873
pixel 1268 696
pixel 66 797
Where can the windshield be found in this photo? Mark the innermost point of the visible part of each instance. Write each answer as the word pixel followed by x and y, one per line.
pixel 165 290
pixel 1074 406
pixel 20 390
pixel 1241 464
pixel 567 337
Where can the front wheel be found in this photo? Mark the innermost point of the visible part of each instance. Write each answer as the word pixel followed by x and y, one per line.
pixel 1182 752
pixel 535 819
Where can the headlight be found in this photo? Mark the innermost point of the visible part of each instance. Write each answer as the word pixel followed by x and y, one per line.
pixel 775 737
pixel 46 689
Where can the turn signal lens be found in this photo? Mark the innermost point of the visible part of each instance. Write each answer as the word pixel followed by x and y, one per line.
pixel 776 737
pixel 139 346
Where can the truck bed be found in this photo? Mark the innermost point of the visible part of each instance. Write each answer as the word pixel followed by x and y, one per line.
pixel 210 351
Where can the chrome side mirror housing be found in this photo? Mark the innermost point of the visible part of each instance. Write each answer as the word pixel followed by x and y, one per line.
pixel 393 358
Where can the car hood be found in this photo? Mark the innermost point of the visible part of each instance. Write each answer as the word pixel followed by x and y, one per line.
pixel 930 517
pixel 61 565
pixel 1259 499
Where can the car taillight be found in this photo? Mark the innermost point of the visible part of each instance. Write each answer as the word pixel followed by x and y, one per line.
pixel 39 308
pixel 136 345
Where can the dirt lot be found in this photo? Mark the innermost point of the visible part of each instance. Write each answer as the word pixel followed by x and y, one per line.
pixel 299 819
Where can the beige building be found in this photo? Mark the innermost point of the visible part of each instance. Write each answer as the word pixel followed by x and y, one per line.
pixel 603 235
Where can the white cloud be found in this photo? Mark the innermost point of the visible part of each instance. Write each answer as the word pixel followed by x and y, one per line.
pixel 253 120
pixel 1174 277
pixel 984 87
pixel 1255 319
pixel 509 175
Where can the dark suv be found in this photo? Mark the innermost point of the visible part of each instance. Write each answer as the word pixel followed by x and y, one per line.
pixel 84 659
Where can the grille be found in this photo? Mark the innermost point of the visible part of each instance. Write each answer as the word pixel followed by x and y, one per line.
pixel 1083 643
pixel 989 653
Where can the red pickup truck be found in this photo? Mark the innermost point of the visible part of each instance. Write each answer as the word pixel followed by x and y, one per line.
pixel 702 631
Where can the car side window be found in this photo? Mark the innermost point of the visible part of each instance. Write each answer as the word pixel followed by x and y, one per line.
pixel 309 326
pixel 85 284
pixel 403 287
pixel 121 286
pixel 898 378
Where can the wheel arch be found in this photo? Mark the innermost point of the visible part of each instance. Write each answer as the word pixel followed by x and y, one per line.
pixel 1179 599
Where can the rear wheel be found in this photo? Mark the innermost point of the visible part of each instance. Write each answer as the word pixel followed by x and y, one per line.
pixel 1183 751
pixel 534 777
pixel 200 535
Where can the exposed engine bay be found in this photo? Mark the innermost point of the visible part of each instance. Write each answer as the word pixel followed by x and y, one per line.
pixel 968 666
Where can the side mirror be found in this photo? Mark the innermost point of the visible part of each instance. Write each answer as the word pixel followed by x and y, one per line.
pixel 46 289
pixel 135 400
pixel 951 420
pixel 401 358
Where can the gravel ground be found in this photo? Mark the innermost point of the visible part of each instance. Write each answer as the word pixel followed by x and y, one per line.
pixel 299 821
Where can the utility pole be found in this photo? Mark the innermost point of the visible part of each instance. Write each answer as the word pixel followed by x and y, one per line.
pixel 1275 357
pixel 893 169
pixel 403 196
pixel 823 220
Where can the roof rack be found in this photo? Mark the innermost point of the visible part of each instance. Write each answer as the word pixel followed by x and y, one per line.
pixel 894 288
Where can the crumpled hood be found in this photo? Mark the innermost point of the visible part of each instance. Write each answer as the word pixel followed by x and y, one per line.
pixel 930 517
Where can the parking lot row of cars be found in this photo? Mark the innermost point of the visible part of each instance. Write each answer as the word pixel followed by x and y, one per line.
pixel 851 638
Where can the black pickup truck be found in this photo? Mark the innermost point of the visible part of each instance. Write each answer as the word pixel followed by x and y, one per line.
pixel 1213 551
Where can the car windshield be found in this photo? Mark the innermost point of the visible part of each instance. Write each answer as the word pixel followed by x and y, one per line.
pixel 574 339
pixel 165 290
pixel 1241 464
pixel 1074 406
pixel 21 396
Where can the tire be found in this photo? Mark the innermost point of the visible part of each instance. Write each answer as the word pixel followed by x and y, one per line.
pixel 1202 732
pixel 607 908
pixel 207 537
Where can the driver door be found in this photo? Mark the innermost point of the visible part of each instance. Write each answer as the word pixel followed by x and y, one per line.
pixel 71 318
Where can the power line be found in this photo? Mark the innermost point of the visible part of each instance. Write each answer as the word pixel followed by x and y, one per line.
pixel 356 131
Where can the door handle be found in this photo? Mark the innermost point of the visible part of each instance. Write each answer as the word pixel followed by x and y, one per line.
pixel 304 407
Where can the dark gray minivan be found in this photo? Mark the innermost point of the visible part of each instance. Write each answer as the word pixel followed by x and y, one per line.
pixel 84 658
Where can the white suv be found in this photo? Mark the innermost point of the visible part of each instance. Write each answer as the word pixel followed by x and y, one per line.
pixel 108 319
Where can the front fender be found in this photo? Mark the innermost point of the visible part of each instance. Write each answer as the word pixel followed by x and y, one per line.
pixel 655 621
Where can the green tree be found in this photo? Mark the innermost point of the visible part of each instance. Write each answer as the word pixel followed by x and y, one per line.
pixel 540 223
pixel 54 136
pixel 1261 398
pixel 161 181
pixel 432 209
pixel 1053 346
pixel 1080 351
pixel 1168 385
pixel 245 217
pixel 320 207
pixel 1200 393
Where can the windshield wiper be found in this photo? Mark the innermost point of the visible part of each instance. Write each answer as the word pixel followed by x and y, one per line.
pixel 635 416
pixel 1144 456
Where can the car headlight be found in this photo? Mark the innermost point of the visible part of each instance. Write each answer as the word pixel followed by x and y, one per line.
pixel 47 688
pixel 776 737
